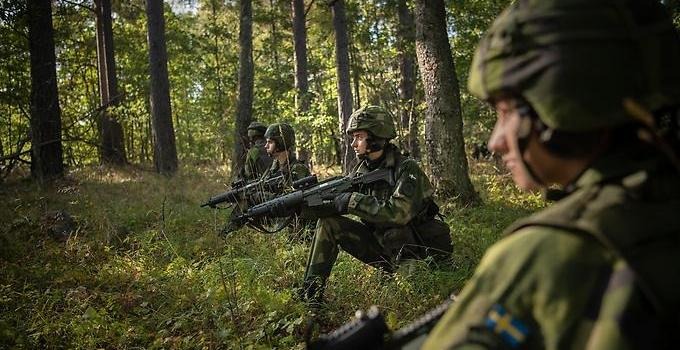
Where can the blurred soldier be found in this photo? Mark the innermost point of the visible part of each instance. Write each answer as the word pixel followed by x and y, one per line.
pixel 586 94
pixel 257 161
pixel 398 221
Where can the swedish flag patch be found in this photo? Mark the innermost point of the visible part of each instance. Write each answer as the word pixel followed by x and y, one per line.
pixel 510 329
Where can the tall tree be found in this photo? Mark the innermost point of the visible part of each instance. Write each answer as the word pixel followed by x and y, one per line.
pixel 246 83
pixel 343 79
pixel 112 148
pixel 46 153
pixel 407 75
pixel 443 122
pixel 165 150
pixel 302 98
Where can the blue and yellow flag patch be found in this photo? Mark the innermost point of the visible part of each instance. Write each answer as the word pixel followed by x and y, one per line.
pixel 510 329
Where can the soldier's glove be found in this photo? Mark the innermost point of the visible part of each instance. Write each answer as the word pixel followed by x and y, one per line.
pixel 341 202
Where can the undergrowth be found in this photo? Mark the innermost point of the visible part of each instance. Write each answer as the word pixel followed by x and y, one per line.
pixel 146 267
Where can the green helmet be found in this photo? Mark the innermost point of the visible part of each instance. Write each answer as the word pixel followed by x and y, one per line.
pixel 256 129
pixel 576 61
pixel 283 134
pixel 374 119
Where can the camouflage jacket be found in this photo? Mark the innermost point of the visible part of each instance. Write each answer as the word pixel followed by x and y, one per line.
pixel 600 269
pixel 256 163
pixel 292 170
pixel 382 205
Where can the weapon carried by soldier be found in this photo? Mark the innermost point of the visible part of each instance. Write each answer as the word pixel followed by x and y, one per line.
pixel 368 330
pixel 313 194
pixel 243 193
pixel 242 188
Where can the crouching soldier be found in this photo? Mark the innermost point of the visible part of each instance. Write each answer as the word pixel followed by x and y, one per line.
pixel 397 221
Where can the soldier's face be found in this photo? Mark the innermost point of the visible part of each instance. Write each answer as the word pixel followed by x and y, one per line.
pixel 270 147
pixel 360 143
pixel 503 141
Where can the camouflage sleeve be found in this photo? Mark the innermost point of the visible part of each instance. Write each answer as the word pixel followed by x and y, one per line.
pixel 531 290
pixel 248 170
pixel 299 171
pixel 411 189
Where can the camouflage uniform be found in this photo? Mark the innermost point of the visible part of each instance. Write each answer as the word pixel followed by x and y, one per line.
pixel 293 170
pixel 599 269
pixel 564 278
pixel 397 221
pixel 257 161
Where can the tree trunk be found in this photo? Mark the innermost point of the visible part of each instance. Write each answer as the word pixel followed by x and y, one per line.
pixel 46 154
pixel 344 88
pixel 165 151
pixel 245 86
pixel 112 147
pixel 443 122
pixel 408 115
pixel 302 97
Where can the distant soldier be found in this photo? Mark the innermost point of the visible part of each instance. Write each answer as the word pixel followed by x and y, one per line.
pixel 279 149
pixel 398 221
pixel 280 146
pixel 587 94
pixel 257 161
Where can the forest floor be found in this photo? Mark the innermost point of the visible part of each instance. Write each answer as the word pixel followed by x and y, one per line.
pixel 145 266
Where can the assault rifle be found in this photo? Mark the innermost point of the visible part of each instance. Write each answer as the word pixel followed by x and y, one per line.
pixel 314 194
pixel 369 331
pixel 239 188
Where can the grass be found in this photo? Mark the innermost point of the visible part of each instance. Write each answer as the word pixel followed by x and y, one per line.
pixel 146 268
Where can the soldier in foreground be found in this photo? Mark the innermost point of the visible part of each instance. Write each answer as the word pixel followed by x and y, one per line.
pixel 587 94
pixel 398 221
pixel 257 161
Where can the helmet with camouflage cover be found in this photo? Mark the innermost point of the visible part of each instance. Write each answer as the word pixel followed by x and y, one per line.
pixel 256 129
pixel 283 134
pixel 374 119
pixel 576 61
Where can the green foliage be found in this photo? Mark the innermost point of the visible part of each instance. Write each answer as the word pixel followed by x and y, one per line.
pixel 146 267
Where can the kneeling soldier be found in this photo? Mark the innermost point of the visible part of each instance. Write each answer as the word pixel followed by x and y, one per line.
pixel 398 221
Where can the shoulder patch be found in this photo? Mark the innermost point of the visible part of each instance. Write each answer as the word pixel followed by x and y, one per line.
pixel 510 329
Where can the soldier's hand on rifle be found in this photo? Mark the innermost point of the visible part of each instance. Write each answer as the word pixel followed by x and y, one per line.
pixel 341 202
